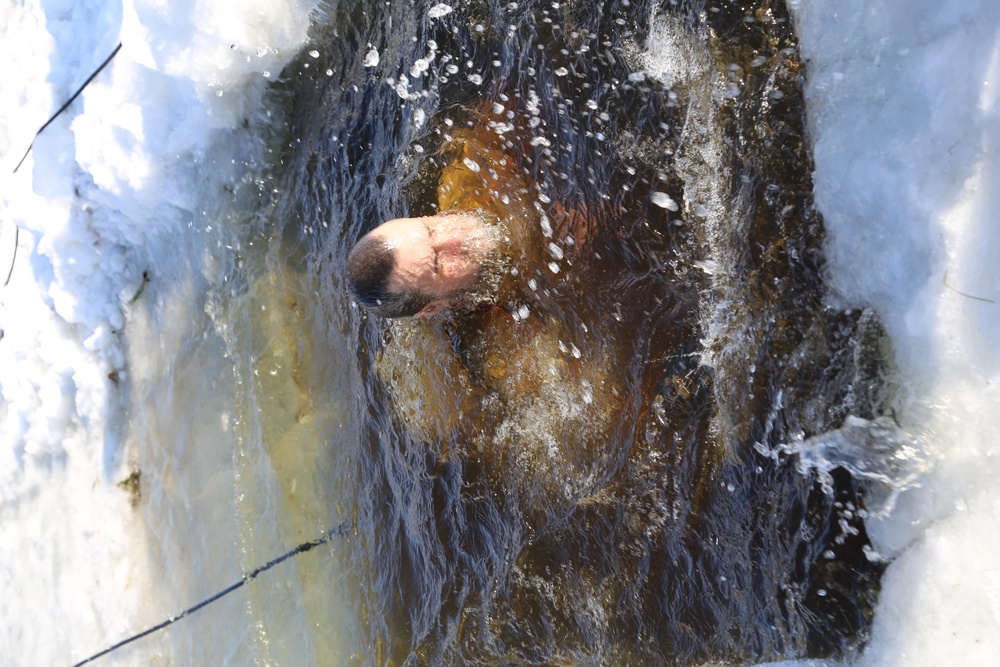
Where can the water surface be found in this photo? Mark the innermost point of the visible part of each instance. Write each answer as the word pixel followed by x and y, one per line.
pixel 602 478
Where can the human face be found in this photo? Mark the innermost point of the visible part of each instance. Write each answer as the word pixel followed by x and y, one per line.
pixel 435 255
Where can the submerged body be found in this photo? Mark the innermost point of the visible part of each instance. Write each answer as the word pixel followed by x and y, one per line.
pixel 507 363
pixel 567 469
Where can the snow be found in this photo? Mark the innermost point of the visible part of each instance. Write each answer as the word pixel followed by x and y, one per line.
pixel 902 103
pixel 118 183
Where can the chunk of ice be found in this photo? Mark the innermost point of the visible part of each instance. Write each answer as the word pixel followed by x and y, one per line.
pixel 663 200
pixel 439 10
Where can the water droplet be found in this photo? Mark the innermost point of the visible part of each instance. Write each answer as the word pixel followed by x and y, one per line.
pixel 663 200
pixel 439 10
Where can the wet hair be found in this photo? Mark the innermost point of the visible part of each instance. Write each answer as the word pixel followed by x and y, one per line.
pixel 369 265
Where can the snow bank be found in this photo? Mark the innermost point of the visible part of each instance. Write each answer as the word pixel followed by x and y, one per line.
pixel 127 178
pixel 902 102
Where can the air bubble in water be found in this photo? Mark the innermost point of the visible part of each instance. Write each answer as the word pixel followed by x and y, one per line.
pixel 663 200
pixel 420 66
pixel 403 87
pixel 439 10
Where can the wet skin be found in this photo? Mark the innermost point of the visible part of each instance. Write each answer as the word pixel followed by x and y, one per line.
pixel 437 255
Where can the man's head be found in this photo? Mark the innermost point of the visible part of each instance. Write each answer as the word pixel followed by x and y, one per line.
pixel 418 266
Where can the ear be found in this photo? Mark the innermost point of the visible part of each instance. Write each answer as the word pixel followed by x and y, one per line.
pixel 433 308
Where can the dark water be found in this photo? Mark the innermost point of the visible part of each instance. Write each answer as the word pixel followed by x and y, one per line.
pixel 617 504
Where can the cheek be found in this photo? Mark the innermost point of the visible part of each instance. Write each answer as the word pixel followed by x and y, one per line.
pixel 416 261
pixel 411 273
pixel 455 267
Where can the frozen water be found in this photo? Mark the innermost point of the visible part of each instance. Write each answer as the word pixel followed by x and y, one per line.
pixel 902 103
pixel 120 187
pixel 439 10
pixel 663 200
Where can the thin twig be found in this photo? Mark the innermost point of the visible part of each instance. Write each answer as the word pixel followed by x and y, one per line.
pixel 958 291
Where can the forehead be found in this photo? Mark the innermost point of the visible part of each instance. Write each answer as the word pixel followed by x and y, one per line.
pixel 401 229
